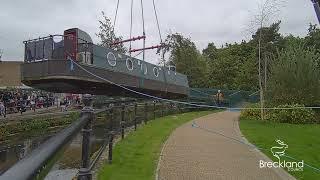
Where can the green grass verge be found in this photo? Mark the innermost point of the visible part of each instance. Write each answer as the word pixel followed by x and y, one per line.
pixel 136 157
pixel 303 142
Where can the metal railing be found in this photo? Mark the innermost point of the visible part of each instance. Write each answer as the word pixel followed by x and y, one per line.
pixel 131 115
pixel 55 47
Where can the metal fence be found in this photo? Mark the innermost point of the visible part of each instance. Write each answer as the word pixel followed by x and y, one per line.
pixel 57 47
pixel 232 98
pixel 118 119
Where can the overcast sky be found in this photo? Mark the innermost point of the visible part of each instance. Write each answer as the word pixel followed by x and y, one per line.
pixel 203 21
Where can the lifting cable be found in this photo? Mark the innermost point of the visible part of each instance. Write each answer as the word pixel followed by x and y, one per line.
pixel 159 31
pixel 157 20
pixel 143 31
pixel 115 16
pixel 131 16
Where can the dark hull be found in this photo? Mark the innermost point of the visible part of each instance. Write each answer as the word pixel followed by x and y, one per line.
pixel 57 76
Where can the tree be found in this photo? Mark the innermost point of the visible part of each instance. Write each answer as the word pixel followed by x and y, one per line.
pixel 295 76
pixel 232 66
pixel 187 59
pixel 107 36
pixel 271 41
pixel 210 51
pixel 313 37
pixel 247 74
pixel 266 10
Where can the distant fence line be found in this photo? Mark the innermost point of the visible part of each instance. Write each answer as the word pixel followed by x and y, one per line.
pixel 232 98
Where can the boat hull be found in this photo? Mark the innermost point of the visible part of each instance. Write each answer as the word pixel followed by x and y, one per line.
pixel 63 76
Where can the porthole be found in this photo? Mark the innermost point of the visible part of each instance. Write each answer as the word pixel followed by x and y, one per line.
pixel 111 59
pixel 156 71
pixel 172 68
pixel 129 64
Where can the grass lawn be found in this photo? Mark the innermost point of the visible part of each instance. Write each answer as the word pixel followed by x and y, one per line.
pixel 303 142
pixel 136 157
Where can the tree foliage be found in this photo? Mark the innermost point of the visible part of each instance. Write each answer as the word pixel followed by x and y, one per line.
pixel 107 35
pixel 293 64
pixel 187 59
pixel 295 76
pixel 271 39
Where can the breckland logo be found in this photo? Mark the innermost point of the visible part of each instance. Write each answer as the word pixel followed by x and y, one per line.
pixel 278 151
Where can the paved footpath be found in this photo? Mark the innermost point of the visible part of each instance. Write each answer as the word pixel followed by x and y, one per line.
pixel 195 154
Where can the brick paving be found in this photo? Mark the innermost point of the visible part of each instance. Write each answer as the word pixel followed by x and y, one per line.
pixel 194 154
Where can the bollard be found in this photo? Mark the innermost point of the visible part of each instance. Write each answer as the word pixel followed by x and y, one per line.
pixel 84 172
pixel 135 116
pixel 154 109
pixel 111 136
pixel 122 122
pixel 145 112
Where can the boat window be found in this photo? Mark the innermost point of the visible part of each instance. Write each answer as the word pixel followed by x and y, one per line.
pixel 84 57
pixel 156 71
pixel 129 64
pixel 144 68
pixel 111 59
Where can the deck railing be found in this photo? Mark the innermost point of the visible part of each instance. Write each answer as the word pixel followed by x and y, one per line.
pixel 56 47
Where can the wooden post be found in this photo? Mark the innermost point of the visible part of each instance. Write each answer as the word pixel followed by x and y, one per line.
pixel 122 123
pixel 162 109
pixel 135 116
pixel 111 136
pixel 145 112
pixel 154 109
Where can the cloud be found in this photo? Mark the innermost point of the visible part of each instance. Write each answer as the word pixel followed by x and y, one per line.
pixel 203 21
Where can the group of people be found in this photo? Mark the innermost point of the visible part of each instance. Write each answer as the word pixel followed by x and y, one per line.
pixel 12 101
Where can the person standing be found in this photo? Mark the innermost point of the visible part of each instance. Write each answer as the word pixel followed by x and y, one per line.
pixel 219 97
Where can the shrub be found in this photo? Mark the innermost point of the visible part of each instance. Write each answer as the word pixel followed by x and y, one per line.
pixel 251 113
pixel 293 116
pixel 294 76
pixel 284 115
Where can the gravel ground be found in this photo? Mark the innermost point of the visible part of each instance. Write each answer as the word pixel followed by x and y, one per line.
pixel 192 153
